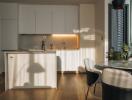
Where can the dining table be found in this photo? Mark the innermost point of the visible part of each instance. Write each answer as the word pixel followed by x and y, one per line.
pixel 117 64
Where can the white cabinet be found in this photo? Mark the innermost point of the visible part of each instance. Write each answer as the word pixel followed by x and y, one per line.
pixel 68 60
pixel 8 26
pixel 51 69
pixel 0 33
pixel 58 19
pixel 30 70
pixel 43 19
pixel 8 10
pixel 65 18
pixel 11 61
pixel 9 34
pixel 47 19
pixel 1 60
pixel 27 16
pixel 71 60
pixel 71 18
pixel 35 19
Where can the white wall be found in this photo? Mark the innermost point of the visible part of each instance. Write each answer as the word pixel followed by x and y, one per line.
pixel 1 60
pixel 87 15
pixel 99 30
pixel 130 23
pixel 87 20
pixel 106 27
pixel 87 39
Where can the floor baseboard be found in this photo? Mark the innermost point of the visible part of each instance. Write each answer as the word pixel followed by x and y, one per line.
pixel 66 72
pixel 70 72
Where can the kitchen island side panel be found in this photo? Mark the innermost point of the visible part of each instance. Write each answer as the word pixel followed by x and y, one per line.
pixel 30 70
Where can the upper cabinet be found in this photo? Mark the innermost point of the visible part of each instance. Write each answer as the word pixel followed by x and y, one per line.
pixel 43 19
pixel 8 10
pixel 9 34
pixel 9 23
pixel 27 18
pixel 71 18
pixel 65 19
pixel 47 19
pixel 58 19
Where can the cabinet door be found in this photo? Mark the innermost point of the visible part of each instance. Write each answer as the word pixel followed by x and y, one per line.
pixel 9 34
pixel 65 19
pixel 71 18
pixel 51 70
pixel 0 32
pixel 8 10
pixel 27 19
pixel 43 19
pixel 31 71
pixel 10 82
pixel 68 58
pixel 58 19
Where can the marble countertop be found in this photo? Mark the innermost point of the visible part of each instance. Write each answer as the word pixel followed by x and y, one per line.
pixel 29 51
pixel 126 65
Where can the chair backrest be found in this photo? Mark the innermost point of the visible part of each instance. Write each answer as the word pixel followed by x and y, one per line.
pixel 92 77
pixel 89 64
pixel 118 78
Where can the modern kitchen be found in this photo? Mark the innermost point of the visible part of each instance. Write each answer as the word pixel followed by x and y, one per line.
pixel 44 43
pixel 47 36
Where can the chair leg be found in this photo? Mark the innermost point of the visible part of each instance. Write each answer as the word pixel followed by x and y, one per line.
pixel 87 93
pixel 94 88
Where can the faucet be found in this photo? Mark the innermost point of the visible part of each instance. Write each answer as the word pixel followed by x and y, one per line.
pixel 43 45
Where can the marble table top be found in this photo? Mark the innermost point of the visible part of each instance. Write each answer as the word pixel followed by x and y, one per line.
pixel 125 65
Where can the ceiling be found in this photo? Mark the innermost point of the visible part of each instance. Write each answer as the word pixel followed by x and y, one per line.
pixel 51 1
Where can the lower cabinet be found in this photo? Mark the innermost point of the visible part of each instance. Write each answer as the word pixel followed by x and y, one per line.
pixel 73 60
pixel 35 70
pixel 68 60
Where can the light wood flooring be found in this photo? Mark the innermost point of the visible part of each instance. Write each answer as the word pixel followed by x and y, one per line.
pixel 70 87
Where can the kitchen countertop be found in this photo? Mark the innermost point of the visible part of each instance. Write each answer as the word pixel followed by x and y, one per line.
pixel 28 51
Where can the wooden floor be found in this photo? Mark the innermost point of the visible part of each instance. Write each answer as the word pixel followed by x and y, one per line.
pixel 70 87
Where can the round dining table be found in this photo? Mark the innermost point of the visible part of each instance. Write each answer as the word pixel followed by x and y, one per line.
pixel 123 65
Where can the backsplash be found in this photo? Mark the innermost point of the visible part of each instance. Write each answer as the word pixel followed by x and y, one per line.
pixel 50 42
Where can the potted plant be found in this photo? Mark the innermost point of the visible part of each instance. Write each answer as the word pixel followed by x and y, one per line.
pixel 125 50
pixel 114 55
pixel 119 55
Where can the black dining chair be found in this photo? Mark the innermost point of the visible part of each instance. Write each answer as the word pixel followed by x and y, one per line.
pixel 92 77
pixel 116 85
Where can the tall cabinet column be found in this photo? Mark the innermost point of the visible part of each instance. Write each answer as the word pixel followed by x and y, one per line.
pixel 8 29
pixel 0 33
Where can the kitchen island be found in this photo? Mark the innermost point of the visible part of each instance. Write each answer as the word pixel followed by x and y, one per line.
pixel 30 69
